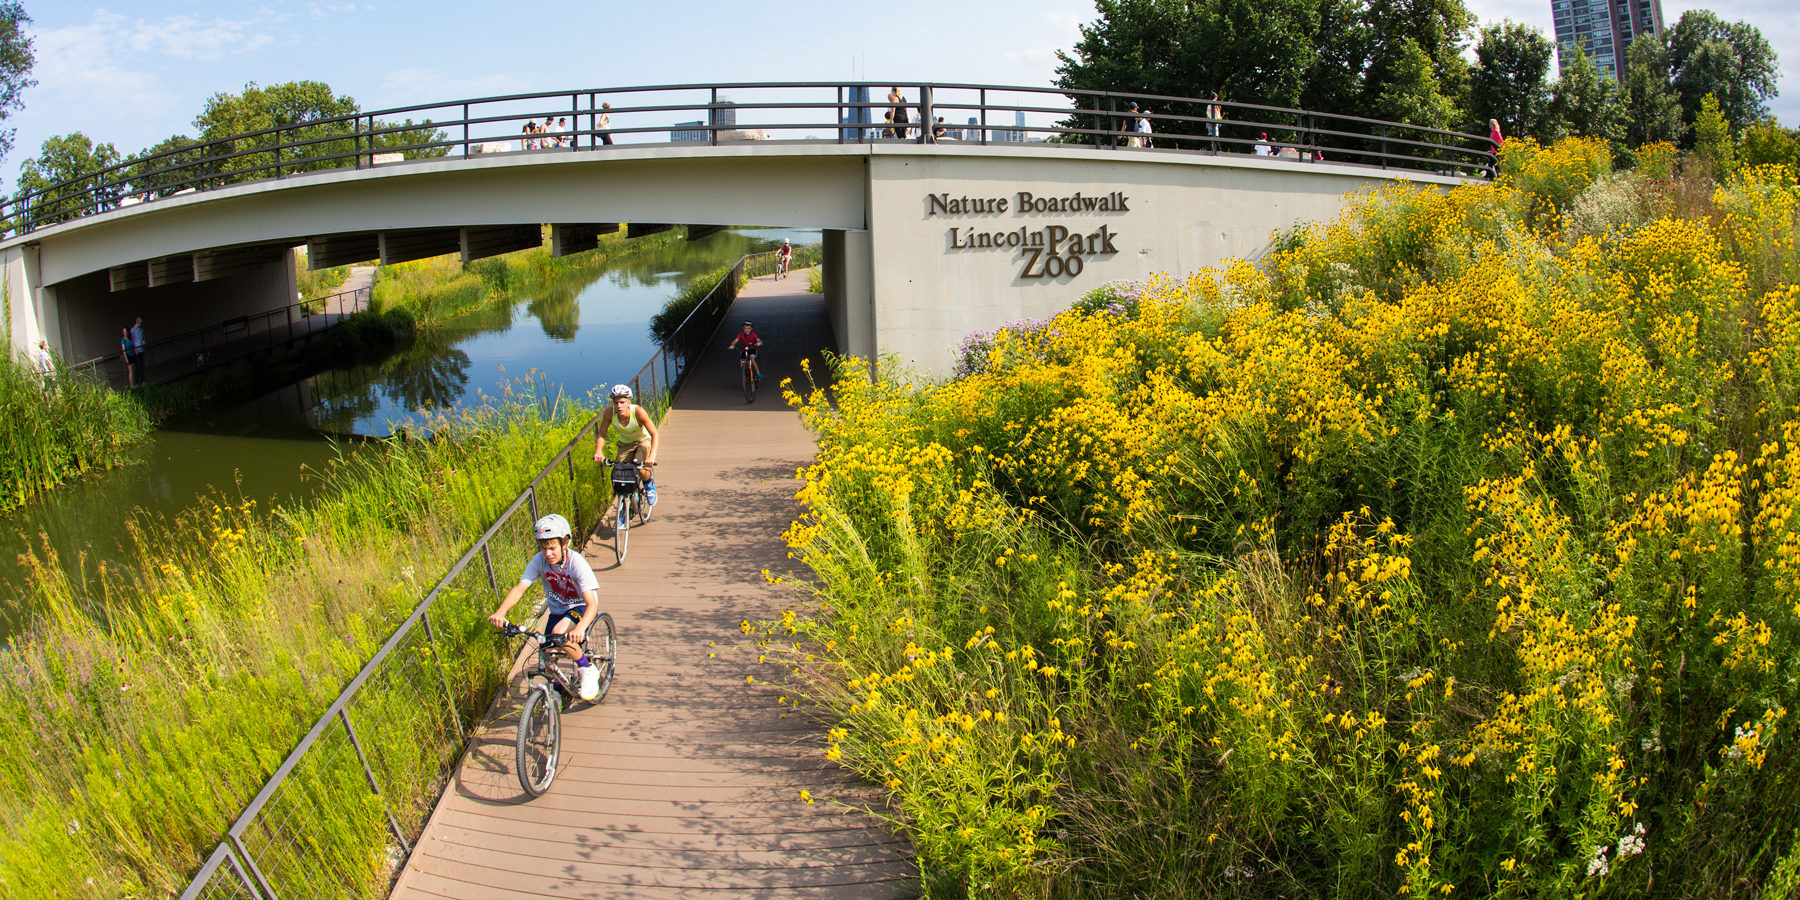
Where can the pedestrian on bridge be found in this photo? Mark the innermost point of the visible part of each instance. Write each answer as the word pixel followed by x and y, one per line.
pixel 604 123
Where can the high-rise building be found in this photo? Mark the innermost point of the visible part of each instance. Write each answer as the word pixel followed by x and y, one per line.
pixel 1604 28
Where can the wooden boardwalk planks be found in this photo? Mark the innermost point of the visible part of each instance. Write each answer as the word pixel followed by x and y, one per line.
pixel 686 781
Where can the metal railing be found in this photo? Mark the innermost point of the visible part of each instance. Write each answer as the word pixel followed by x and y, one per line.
pixel 179 356
pixel 588 120
pixel 426 685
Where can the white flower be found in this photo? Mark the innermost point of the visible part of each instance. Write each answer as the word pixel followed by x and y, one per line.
pixel 1598 865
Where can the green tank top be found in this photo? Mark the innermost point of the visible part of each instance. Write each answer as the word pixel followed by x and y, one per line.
pixel 626 434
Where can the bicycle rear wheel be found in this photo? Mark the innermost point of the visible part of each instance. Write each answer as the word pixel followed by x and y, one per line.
pixel 539 741
pixel 643 507
pixel 622 526
pixel 603 651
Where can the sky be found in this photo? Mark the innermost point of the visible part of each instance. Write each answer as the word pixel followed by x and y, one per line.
pixel 132 73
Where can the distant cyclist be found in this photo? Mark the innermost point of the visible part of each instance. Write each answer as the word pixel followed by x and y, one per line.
pixel 785 255
pixel 747 343
pixel 628 425
pixel 570 590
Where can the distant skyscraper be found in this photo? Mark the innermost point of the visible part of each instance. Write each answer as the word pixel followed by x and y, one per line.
pixel 1604 28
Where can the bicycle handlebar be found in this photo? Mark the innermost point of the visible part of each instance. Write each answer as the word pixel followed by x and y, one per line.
pixel 548 640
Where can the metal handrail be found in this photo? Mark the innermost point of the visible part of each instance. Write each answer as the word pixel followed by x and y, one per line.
pixel 298 320
pixel 349 141
pixel 246 876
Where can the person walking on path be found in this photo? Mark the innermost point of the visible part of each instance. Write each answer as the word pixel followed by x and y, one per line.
pixel 1495 138
pixel 137 347
pixel 1214 115
pixel 45 362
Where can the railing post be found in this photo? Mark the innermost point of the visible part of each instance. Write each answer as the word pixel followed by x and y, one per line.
pixel 925 120
pixel 437 660
pixel 712 117
pixel 574 122
pixel 393 823
pixel 262 882
pixel 984 128
pixel 488 558
pixel 534 506
pixel 465 124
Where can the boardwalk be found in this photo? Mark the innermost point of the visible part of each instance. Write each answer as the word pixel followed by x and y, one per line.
pixel 686 781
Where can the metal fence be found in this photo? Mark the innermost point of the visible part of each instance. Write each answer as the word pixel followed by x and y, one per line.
pixel 655 383
pixel 596 119
pixel 339 816
pixel 191 352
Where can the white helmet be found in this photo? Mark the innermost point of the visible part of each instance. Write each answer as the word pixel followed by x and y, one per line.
pixel 552 526
pixel 621 390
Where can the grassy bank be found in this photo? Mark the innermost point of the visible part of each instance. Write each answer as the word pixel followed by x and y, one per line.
pixel 58 427
pixel 1454 551
pixel 440 289
pixel 149 704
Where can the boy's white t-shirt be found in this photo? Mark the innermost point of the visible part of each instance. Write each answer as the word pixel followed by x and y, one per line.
pixel 564 585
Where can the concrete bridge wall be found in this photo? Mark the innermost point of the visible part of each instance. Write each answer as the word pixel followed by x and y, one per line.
pixel 907 274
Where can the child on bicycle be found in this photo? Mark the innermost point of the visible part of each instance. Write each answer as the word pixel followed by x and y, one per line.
pixel 747 343
pixel 570 590
pixel 628 426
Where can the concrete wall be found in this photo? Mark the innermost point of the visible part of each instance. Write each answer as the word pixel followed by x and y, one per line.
pixel 907 276
pixel 90 313
pixel 1169 214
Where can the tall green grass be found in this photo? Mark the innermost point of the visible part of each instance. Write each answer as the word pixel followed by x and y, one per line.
pixel 148 704
pixel 58 427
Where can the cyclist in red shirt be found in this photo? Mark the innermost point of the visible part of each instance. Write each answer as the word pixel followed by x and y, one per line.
pixel 747 343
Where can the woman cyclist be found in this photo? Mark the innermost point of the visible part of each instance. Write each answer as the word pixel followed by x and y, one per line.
pixel 570 589
pixel 628 426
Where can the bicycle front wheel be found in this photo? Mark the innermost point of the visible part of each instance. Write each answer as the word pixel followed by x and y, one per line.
pixel 603 651
pixel 749 382
pixel 540 740
pixel 622 526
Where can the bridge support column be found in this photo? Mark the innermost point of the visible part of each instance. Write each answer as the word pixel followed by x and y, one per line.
pixel 23 308
pixel 850 291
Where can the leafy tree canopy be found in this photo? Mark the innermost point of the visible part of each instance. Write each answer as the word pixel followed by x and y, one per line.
pixel 15 65
pixel 1731 61
pixel 67 172
pixel 1510 80
pixel 1652 108
pixel 1584 102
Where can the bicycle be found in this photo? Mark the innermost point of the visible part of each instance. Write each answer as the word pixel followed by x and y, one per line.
pixel 781 266
pixel 746 378
pixel 553 685
pixel 629 501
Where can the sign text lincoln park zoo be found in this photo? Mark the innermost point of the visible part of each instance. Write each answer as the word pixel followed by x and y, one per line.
pixel 1050 251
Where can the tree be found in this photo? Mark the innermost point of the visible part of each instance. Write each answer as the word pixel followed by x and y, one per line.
pixel 1510 82
pixel 1730 61
pixel 66 180
pixel 174 164
pixel 283 111
pixel 1409 91
pixel 1712 137
pixel 1250 52
pixel 1768 144
pixel 15 65
pixel 1436 28
pixel 1652 108
pixel 1584 102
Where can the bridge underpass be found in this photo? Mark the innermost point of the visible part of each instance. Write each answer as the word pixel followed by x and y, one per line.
pixel 686 780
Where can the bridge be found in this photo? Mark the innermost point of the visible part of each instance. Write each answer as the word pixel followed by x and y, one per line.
pixel 929 233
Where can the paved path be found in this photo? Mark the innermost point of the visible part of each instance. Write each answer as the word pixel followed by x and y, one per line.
pixel 686 781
